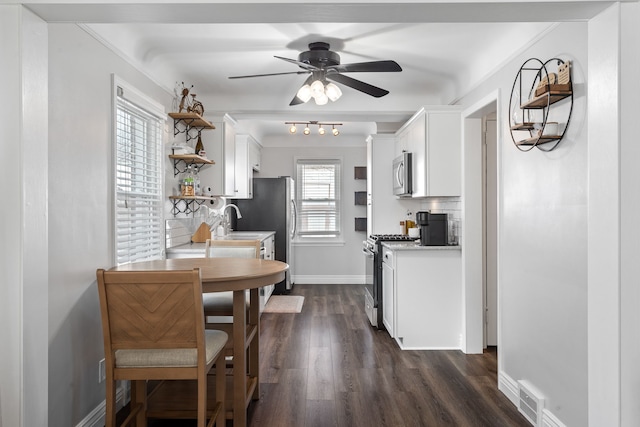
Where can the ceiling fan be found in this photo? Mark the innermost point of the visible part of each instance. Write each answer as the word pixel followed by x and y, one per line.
pixel 324 65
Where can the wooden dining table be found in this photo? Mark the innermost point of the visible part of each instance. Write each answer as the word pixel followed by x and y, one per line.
pixel 237 275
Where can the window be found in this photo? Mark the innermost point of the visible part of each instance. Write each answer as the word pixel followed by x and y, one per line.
pixel 139 231
pixel 318 197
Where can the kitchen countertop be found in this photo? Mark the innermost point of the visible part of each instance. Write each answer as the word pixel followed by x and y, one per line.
pixel 198 248
pixel 415 246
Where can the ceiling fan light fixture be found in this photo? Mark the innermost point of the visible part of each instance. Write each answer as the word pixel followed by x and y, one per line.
pixel 304 93
pixel 322 99
pixel 317 89
pixel 333 92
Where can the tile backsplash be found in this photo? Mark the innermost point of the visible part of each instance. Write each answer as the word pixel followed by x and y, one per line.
pixel 449 205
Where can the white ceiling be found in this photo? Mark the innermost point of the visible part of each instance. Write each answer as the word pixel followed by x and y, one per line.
pixel 444 49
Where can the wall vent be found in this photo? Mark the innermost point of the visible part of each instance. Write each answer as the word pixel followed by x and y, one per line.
pixel 530 403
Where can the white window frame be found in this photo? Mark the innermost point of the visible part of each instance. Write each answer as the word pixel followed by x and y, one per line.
pixel 319 237
pixel 138 235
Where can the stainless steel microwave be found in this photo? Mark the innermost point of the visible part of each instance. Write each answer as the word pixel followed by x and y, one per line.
pixel 402 176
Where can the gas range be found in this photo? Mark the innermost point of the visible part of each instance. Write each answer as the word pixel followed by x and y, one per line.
pixel 390 237
pixel 372 248
pixel 374 241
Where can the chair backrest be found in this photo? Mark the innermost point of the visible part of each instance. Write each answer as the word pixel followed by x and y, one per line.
pixel 232 248
pixel 151 309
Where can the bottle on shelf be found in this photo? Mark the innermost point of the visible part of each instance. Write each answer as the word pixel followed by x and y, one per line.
pixel 187 188
pixel 196 182
pixel 200 147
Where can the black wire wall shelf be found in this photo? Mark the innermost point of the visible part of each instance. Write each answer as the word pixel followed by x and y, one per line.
pixel 187 123
pixel 546 84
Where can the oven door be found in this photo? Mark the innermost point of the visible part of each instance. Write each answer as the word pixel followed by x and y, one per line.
pixel 370 291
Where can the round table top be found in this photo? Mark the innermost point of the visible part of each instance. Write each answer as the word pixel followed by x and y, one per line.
pixel 220 274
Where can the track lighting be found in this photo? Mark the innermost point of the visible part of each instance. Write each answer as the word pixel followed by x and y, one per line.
pixel 321 130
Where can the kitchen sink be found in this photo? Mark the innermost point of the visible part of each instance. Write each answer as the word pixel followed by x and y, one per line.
pixel 240 236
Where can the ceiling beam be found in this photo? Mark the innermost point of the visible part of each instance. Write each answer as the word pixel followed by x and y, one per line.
pixel 80 11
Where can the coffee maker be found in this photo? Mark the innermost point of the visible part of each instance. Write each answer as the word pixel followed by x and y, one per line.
pixel 433 228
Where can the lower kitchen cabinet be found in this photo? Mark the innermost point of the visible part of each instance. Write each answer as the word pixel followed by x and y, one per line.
pixel 422 297
pixel 388 292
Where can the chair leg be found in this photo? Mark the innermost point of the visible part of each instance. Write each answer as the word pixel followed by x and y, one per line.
pixel 221 388
pixel 139 397
pixel 110 416
pixel 202 399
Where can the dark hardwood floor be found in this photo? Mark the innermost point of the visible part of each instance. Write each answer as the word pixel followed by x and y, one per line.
pixel 327 366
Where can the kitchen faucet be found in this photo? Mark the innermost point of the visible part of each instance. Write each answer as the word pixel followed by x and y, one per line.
pixel 225 219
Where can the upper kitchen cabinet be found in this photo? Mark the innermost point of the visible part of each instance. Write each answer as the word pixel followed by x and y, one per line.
pixel 248 156
pixel 384 210
pixel 434 139
pixel 221 176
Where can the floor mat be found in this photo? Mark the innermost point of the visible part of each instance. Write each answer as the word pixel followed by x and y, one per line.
pixel 284 304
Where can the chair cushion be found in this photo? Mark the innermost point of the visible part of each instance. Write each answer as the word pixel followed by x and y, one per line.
pixel 215 341
pixel 220 301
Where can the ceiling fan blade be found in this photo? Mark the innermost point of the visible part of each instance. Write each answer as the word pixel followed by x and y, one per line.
pixel 296 100
pixel 298 63
pixel 366 67
pixel 270 74
pixel 358 85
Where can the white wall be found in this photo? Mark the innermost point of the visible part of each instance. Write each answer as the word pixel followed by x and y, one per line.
pixel 340 262
pixel 629 231
pixel 80 206
pixel 543 244
pixel 23 229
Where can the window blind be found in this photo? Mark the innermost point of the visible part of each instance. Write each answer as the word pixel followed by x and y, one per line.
pixel 138 183
pixel 318 197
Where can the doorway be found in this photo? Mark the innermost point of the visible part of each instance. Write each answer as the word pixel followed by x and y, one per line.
pixel 490 229
pixel 481 147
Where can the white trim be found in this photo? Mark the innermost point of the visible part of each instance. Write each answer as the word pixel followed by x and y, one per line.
pixel 550 420
pixel 134 96
pixel 329 280
pixel 471 209
pixel 96 418
pixel 508 386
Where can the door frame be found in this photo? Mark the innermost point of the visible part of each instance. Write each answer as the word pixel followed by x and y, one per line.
pixel 472 239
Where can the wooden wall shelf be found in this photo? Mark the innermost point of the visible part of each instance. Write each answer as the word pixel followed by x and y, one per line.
pixel 545 89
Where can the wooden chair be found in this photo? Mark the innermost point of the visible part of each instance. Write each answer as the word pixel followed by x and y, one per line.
pixel 153 328
pixel 220 304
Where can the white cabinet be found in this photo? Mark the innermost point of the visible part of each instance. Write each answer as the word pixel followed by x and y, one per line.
pixel 221 149
pixel 384 210
pixel 388 293
pixel 247 160
pixel 434 139
pixel 255 155
pixel 422 297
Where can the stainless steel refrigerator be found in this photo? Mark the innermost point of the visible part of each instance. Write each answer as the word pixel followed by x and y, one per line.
pixel 272 208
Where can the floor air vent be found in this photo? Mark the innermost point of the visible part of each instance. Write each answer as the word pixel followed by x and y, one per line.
pixel 530 403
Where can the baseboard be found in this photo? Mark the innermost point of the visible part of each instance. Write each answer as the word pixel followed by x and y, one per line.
pixel 329 280
pixel 509 387
pixel 550 420
pixel 96 418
